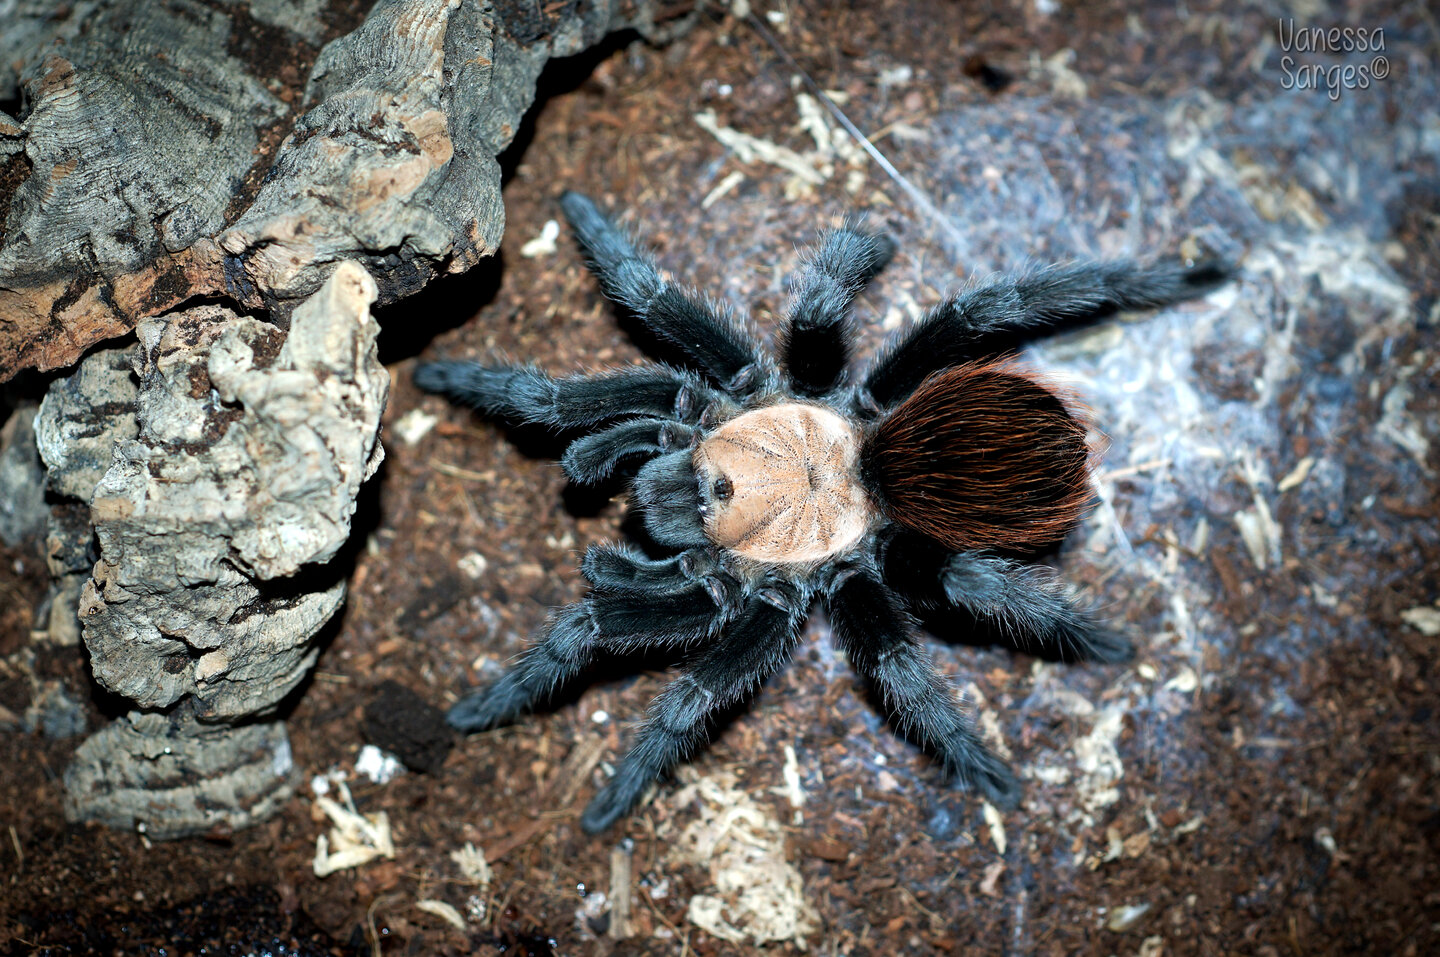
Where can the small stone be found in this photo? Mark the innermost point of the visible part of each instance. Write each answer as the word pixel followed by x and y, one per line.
pixel 1123 918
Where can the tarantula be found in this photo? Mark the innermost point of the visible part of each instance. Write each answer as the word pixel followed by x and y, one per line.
pixel 906 491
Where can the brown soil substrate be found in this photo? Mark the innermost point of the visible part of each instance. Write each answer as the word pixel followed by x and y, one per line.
pixel 1277 738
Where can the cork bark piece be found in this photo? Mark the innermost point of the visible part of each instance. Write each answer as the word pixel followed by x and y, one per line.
pixel 146 171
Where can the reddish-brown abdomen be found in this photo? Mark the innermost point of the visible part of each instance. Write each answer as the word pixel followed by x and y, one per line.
pixel 981 456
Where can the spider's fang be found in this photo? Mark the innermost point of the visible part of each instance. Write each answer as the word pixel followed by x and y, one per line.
pixel 673 435
pixel 843 575
pixel 744 381
pixel 696 564
pixel 716 588
pixel 777 598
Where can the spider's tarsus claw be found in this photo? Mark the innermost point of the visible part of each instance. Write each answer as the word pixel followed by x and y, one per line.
pixel 602 811
pixel 517 392
pixel 1004 798
pixel 1202 274
pixel 464 381
pixel 576 205
pixel 997 783
pixel 432 376
pixel 1109 647
pixel 471 714
pixel 884 250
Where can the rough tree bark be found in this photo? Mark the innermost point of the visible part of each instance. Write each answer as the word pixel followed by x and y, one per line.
pixel 148 173
pixel 206 174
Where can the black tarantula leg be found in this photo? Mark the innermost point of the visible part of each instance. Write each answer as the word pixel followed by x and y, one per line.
pixel 592 458
pixel 524 394
pixel 871 627
pixel 815 345
pixel 668 496
pixel 1031 609
pixel 996 315
pixel 623 568
pixel 1029 605
pixel 714 342
pixel 619 621
pixel 566 648
pixel 755 644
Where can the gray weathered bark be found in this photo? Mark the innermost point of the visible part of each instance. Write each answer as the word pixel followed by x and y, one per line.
pixel 146 176
pixel 170 775
pixel 174 175
pixel 249 456
pixel 218 518
pixel 22 478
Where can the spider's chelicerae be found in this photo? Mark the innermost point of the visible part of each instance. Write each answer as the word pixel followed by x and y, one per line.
pixel 767 486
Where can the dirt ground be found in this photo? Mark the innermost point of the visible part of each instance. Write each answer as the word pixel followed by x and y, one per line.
pixel 1262 779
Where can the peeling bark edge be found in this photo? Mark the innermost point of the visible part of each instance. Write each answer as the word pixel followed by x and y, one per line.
pixel 390 160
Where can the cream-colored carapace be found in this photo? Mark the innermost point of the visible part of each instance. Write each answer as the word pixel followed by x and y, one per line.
pixel 781 484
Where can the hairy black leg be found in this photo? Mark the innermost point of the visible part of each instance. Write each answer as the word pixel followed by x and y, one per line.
pixel 713 341
pixel 815 344
pixel 668 496
pixel 566 648
pixel 753 646
pixel 998 314
pixel 592 458
pixel 871 627
pixel 1031 608
pixel 524 394
pixel 615 621
pixel 1028 606
pixel 618 567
